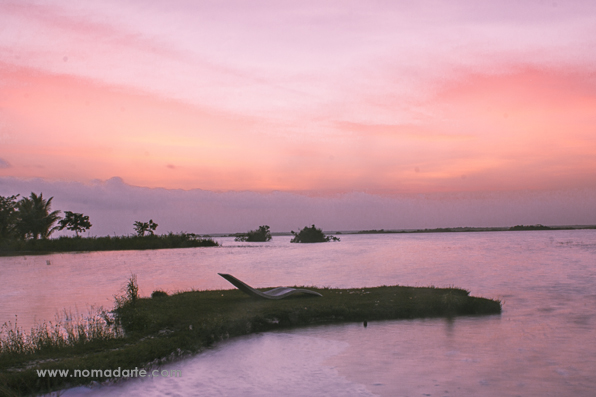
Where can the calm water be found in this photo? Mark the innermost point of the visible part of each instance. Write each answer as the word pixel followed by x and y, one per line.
pixel 543 344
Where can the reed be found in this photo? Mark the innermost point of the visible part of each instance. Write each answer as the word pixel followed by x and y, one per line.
pixel 67 331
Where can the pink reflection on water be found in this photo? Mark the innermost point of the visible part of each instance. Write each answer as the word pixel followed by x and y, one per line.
pixel 542 344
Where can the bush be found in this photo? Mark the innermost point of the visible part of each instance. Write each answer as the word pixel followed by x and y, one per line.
pixel 529 227
pixel 261 234
pixel 159 294
pixel 311 235
pixel 130 293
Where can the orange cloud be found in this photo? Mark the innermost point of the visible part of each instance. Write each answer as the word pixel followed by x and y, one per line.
pixel 534 128
pixel 530 129
pixel 527 130
pixel 79 130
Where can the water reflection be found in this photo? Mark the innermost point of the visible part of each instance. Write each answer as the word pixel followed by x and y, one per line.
pixel 270 364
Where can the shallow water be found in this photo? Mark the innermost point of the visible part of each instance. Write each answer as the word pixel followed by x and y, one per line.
pixel 543 343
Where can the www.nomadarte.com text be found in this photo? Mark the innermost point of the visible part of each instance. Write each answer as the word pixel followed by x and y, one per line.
pixel 108 373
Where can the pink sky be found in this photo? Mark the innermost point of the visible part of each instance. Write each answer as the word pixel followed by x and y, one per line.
pixel 321 98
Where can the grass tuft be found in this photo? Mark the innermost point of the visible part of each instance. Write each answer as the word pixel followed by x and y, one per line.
pixel 67 331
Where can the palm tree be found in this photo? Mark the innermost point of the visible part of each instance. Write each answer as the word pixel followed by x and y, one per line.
pixel 35 218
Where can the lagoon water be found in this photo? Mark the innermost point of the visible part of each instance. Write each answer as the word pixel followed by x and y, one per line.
pixel 544 342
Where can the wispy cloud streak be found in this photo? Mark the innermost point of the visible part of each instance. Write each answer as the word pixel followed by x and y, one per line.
pixel 384 97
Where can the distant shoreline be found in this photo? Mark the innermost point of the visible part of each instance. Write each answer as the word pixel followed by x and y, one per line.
pixel 123 243
pixel 107 243
pixel 439 230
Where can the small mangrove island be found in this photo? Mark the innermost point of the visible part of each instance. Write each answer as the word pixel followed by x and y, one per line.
pixel 311 235
pixel 262 234
pixel 144 333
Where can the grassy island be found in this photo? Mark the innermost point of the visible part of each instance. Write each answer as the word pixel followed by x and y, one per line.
pixel 163 328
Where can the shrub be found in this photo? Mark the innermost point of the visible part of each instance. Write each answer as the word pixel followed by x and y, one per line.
pixel 261 234
pixel 130 293
pixel 159 294
pixel 311 235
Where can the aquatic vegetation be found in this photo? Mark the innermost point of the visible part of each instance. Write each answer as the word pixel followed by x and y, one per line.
pixel 130 293
pixel 262 234
pixel 67 331
pixel 311 235
pixel 530 227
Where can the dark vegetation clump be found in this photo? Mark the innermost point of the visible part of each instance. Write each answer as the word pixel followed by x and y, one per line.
pixel 311 235
pixel 159 294
pixel 76 222
pixel 142 227
pixel 27 218
pixel 530 227
pixel 130 293
pixel 260 235
pixel 107 243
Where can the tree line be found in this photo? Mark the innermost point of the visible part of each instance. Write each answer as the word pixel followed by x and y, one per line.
pixel 32 218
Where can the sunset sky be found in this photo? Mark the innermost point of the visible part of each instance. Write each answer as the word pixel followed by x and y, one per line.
pixel 397 101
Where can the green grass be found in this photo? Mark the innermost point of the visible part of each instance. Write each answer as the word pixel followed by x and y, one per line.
pixel 150 331
pixel 107 243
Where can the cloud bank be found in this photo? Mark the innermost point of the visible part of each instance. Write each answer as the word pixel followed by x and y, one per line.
pixel 4 163
pixel 113 206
